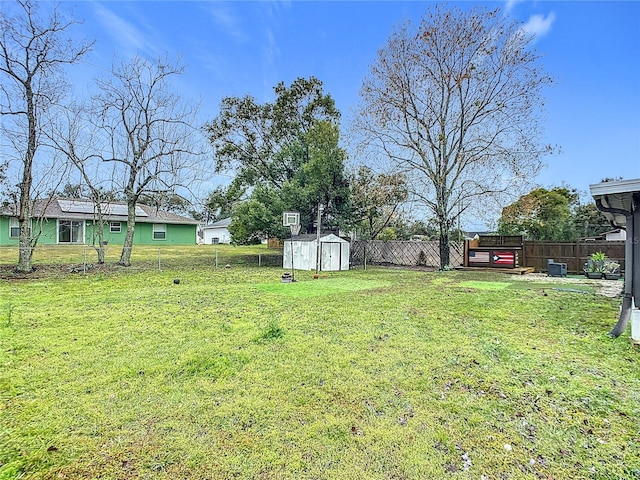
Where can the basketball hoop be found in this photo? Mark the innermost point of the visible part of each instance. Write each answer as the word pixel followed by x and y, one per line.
pixel 290 218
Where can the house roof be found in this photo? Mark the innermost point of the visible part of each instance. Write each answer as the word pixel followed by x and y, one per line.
pixel 615 230
pixel 603 235
pixel 82 209
pixel 224 223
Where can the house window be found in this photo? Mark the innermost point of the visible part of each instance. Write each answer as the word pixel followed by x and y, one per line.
pixel 115 227
pixel 159 231
pixel 14 227
pixel 70 231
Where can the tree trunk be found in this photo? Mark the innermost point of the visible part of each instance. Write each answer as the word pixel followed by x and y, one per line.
pixel 100 248
pixel 101 254
pixel 25 249
pixel 444 250
pixel 99 224
pixel 125 256
pixel 24 215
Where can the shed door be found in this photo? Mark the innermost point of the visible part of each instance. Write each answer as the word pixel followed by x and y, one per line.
pixel 330 255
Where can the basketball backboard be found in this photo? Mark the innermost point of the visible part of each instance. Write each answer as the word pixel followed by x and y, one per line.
pixel 290 218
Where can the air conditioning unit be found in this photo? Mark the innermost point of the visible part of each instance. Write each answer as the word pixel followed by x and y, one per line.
pixel 556 269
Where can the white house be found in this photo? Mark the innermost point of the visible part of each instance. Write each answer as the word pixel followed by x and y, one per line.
pixel 617 234
pixel 217 232
pixel 334 253
pixel 609 236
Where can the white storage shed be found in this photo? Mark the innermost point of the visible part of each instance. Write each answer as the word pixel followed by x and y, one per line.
pixel 334 252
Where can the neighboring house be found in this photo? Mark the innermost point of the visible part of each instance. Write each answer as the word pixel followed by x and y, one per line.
pixel 610 236
pixel 217 232
pixel 73 221
pixel 617 234
pixel 334 252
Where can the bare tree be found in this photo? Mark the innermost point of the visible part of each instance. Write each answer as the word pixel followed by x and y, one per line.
pixel 71 136
pixel 150 133
pixel 375 199
pixel 454 103
pixel 32 52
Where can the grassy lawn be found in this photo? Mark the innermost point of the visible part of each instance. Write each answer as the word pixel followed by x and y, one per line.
pixel 142 256
pixel 377 374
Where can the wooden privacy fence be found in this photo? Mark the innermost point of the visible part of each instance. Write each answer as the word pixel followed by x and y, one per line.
pixel 404 253
pixel 574 254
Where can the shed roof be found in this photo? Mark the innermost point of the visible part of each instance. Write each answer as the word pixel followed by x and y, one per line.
pixel 312 237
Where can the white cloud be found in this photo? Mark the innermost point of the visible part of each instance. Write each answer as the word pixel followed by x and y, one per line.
pixel 539 25
pixel 124 32
pixel 270 50
pixel 509 4
pixel 227 21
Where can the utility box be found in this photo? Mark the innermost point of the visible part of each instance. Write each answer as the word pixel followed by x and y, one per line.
pixel 556 269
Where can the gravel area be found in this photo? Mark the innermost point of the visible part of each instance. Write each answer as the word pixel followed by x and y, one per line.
pixel 608 288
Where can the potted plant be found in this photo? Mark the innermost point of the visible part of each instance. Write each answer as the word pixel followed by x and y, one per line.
pixel 611 270
pixel 594 268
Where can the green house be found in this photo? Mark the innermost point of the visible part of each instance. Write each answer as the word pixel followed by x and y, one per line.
pixel 74 221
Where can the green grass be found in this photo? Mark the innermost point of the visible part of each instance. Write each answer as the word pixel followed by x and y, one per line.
pixel 321 286
pixel 541 285
pixel 146 256
pixel 364 374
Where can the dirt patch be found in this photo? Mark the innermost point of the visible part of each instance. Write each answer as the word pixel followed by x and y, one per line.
pixel 8 272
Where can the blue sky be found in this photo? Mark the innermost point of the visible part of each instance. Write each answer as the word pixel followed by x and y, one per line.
pixel 242 47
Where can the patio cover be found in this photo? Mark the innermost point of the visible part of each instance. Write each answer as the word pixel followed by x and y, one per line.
pixel 620 203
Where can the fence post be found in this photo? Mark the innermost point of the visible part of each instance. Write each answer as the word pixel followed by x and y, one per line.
pixel 365 256
pixel 578 256
pixel 216 258
pixel 259 259
pixel 159 263
pixel 84 265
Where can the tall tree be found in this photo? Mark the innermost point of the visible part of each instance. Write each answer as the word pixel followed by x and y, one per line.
pixel 221 200
pixel 152 139
pixel 33 51
pixel 258 217
pixel 454 102
pixel 262 143
pixel 70 135
pixel 541 215
pixel 588 221
pixel 289 148
pixel 376 199
pixel 320 182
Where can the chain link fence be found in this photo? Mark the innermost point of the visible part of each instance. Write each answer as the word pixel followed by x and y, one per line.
pixel 403 253
pixel 82 258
